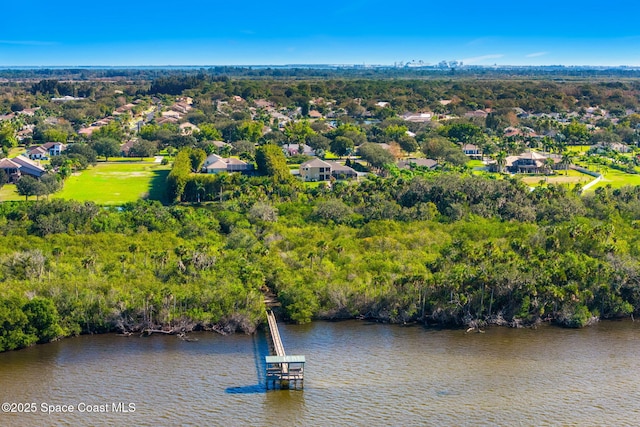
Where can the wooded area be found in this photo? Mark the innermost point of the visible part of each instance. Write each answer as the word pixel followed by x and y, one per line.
pixel 449 249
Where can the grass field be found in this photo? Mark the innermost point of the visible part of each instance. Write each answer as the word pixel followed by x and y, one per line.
pixel 475 164
pixel 578 149
pixel 8 193
pixel 117 183
pixel 109 184
pixel 574 177
pixel 616 178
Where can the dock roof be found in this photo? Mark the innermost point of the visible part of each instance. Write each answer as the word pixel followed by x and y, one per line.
pixel 285 359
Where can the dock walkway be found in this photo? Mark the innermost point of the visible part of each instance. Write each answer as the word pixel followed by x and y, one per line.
pixel 282 370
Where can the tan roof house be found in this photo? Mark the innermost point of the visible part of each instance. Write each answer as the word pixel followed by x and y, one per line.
pixel 315 170
pixel 218 164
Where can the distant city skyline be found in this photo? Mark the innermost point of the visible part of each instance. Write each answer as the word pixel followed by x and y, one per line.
pixel 162 33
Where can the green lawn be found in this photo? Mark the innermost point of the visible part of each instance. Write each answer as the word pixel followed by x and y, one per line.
pixel 330 156
pixel 616 178
pixel 578 150
pixel 8 193
pixel 126 159
pixel 117 183
pixel 573 177
pixel 475 164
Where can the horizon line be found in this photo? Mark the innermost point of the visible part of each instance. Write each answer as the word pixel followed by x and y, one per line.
pixel 407 65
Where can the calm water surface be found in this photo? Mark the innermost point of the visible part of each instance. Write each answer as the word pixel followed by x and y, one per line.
pixel 357 374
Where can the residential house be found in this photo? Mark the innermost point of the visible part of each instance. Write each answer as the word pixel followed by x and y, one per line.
pixel 237 165
pixel 37 153
pixel 217 164
pixel 86 132
pixel 26 132
pixel 54 148
pixel 295 149
pixel 173 114
pixel 66 98
pixel 479 114
pixel 125 149
pixel 315 170
pixel 511 132
pixel 472 151
pixel 530 162
pixel 11 169
pixel 166 119
pixel 181 107
pixel 340 171
pixel 315 114
pixel 45 151
pixel 188 128
pixel 220 144
pixel 125 109
pixel 418 117
pixel 29 111
pixel 29 167
pixel 615 146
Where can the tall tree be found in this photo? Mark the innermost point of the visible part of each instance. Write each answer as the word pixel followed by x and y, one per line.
pixel 8 138
pixel 197 157
pixel 342 145
pixel 375 155
pixel 112 130
pixel 271 162
pixel 29 186
pixel 251 131
pixel 567 158
pixel 298 131
pixel 143 148
pixel 107 147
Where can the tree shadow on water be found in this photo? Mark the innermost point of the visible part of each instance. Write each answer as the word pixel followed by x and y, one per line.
pixel 260 351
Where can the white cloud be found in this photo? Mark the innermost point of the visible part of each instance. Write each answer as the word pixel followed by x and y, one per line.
pixel 477 59
pixel 536 54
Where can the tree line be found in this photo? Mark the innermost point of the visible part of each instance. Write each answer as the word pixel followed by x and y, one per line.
pixel 449 249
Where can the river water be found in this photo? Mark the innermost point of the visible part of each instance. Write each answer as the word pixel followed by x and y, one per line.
pixel 357 374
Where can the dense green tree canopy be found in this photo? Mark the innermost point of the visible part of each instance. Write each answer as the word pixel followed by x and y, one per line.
pixel 106 147
pixel 272 162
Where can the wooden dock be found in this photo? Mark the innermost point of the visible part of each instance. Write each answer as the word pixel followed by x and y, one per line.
pixel 275 334
pixel 282 370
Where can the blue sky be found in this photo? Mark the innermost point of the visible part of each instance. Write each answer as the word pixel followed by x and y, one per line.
pixel 198 32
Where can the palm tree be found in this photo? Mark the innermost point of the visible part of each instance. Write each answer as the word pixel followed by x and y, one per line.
pixel 547 144
pixel 548 164
pixel 567 158
pixel 199 187
pixel 501 160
